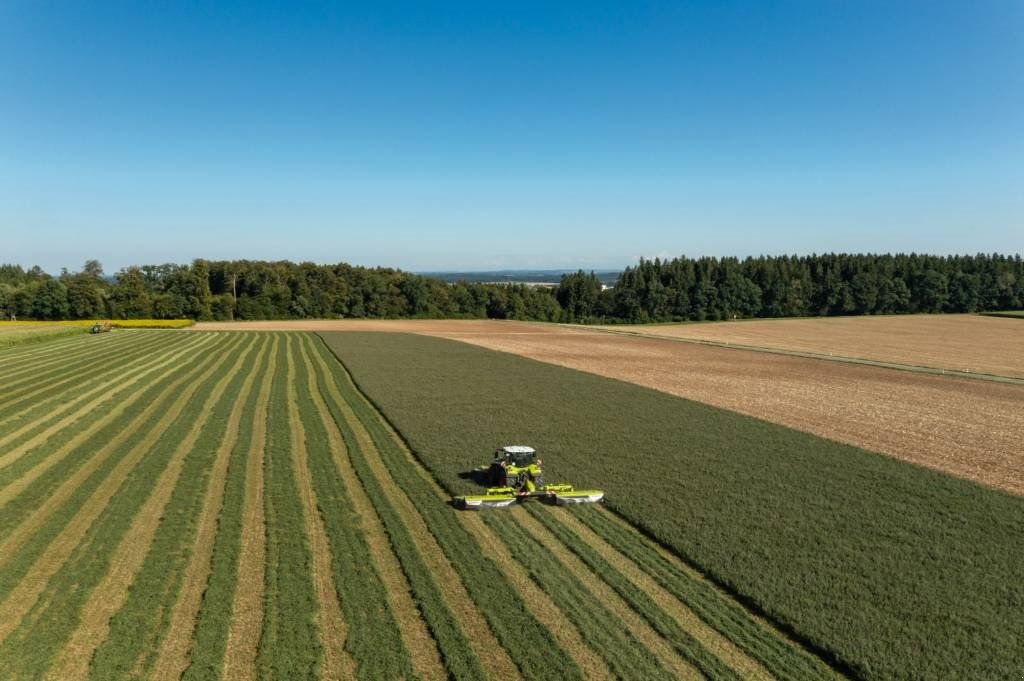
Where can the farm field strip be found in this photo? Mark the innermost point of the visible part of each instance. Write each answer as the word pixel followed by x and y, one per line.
pixel 333 629
pixel 742 500
pixel 965 343
pixel 782 658
pixel 172 658
pixel 654 640
pixel 26 405
pixel 68 487
pixel 466 641
pixel 375 597
pixel 39 461
pixel 121 625
pixel 28 371
pixel 244 511
pixel 54 419
pixel 80 553
pixel 241 573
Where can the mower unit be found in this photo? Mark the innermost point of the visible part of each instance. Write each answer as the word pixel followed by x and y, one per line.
pixel 515 475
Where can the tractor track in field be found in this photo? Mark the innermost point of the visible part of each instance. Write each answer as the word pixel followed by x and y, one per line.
pixel 417 639
pixel 246 622
pixel 172 659
pixel 10 544
pixel 108 596
pixel 333 629
pixel 20 600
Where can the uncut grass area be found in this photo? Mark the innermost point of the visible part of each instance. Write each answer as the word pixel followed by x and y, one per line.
pixel 229 505
pixel 889 570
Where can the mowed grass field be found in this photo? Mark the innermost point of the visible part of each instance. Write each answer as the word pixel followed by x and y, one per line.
pixel 229 506
pixel 890 570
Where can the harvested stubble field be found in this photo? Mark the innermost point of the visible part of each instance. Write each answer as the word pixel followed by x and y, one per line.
pixel 970 428
pixel 954 342
pixel 229 506
pixel 890 570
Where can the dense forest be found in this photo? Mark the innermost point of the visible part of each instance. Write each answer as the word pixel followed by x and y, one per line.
pixel 654 290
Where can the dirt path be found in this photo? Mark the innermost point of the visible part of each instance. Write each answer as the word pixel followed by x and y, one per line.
pixel 423 652
pixel 247 609
pixel 109 595
pixel 332 626
pixel 172 659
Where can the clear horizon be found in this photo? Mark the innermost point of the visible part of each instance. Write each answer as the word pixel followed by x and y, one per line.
pixel 467 138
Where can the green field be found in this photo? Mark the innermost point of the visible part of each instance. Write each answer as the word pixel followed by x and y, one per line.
pixel 889 570
pixel 207 505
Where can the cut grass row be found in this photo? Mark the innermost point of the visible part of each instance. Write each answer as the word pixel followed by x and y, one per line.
pixel 874 563
pixel 121 631
pixel 45 606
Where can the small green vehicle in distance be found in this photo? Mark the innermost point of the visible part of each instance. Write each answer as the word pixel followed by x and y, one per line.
pixel 514 476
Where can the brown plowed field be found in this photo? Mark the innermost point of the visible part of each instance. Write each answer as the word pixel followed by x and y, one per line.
pixel 962 342
pixel 965 427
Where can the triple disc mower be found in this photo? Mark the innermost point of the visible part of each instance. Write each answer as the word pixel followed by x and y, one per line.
pixel 515 475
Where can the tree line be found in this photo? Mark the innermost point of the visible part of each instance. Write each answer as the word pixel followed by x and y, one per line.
pixel 675 289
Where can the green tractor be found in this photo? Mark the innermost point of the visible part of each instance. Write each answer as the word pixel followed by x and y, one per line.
pixel 515 475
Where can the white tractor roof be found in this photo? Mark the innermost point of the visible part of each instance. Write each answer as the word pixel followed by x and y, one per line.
pixel 519 449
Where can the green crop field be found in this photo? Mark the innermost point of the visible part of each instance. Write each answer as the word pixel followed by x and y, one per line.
pixel 887 570
pixel 229 505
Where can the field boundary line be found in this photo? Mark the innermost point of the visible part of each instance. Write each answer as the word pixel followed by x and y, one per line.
pixel 880 364
pixel 246 624
pixel 715 642
pixel 172 659
pixel 644 633
pixel 67 488
pixel 494 659
pixel 15 487
pixel 145 366
pixel 333 629
pixel 22 597
pixel 109 595
pixel 423 652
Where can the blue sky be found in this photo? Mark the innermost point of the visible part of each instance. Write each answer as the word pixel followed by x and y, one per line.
pixel 491 135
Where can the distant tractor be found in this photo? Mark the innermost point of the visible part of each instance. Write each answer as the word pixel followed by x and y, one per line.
pixel 515 475
pixel 101 327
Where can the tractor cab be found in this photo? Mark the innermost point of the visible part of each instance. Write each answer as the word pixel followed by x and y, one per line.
pixel 515 455
pixel 510 466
